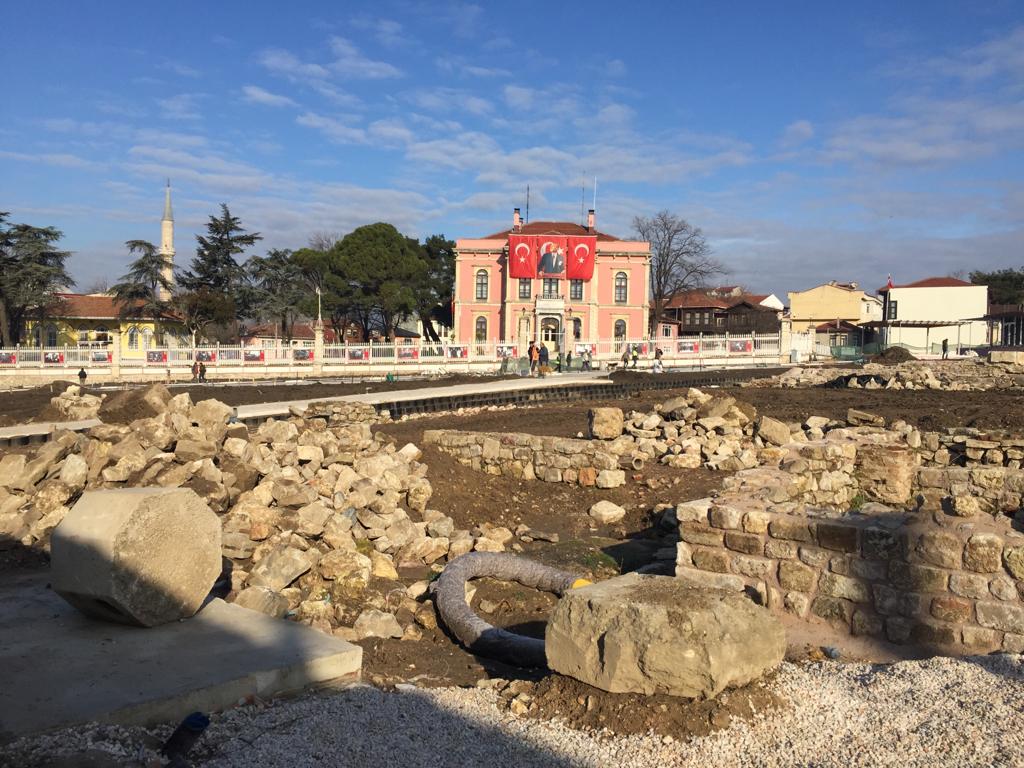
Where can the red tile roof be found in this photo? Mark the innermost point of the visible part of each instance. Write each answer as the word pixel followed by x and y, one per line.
pixel 553 228
pixel 88 306
pixel 932 282
pixel 698 300
pixel 301 331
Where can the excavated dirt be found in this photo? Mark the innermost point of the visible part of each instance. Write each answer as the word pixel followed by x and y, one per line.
pixel 580 706
pixel 19 406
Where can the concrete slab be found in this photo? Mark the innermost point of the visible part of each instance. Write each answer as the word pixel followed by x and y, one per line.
pixel 60 668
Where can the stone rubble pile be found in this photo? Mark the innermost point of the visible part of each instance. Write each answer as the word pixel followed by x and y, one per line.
pixel 317 512
pixel 957 375
pixel 72 405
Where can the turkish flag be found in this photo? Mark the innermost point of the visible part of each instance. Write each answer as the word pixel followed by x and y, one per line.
pixel 579 257
pixel 522 256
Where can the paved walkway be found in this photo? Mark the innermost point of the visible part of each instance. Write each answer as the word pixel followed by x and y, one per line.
pixel 266 410
pixel 281 408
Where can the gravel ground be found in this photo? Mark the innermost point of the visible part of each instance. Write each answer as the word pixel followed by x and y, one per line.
pixel 938 712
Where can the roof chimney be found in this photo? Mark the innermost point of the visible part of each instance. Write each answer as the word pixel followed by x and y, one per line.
pixel 590 220
pixel 517 220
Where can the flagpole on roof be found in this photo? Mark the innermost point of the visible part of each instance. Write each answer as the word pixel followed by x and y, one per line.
pixel 527 203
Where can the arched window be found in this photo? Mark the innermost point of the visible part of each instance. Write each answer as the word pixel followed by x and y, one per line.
pixel 133 338
pixel 102 333
pixel 481 329
pixel 620 329
pixel 51 335
pixel 481 285
pixel 621 288
pixel 147 338
pixel 577 328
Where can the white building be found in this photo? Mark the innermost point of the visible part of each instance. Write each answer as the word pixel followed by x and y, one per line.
pixel 920 315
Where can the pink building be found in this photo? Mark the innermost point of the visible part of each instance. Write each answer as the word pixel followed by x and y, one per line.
pixel 561 278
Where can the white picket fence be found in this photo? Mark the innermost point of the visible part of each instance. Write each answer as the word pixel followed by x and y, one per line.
pixel 687 352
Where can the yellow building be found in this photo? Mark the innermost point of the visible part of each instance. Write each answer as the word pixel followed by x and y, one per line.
pixel 92 320
pixel 832 303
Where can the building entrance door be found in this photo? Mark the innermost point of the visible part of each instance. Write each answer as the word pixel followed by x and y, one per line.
pixel 551 334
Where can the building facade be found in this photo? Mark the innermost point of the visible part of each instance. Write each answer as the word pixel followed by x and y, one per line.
pixel 921 314
pixel 719 311
pixel 557 282
pixel 832 302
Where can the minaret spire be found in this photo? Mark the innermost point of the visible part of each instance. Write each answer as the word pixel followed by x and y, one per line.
pixel 168 213
pixel 167 240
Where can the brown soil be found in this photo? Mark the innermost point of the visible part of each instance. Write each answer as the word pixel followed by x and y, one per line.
pixel 581 706
pixel 926 409
pixel 893 355
pixel 21 406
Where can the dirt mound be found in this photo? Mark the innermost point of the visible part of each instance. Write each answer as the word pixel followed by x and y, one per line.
pixel 125 407
pixel 893 355
pixel 582 707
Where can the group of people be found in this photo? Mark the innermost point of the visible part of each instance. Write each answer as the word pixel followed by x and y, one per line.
pixel 540 359
pixel 199 371
pixel 632 352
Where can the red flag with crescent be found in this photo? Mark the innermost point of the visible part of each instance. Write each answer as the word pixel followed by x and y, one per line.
pixel 522 256
pixel 579 261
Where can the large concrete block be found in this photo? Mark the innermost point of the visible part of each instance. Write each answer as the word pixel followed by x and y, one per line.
pixel 656 634
pixel 142 556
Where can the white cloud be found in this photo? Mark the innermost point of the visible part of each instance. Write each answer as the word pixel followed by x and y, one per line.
pixel 457 65
pixel 284 63
pixel 450 100
pixel 615 68
pixel 181 107
pixel 390 132
pixel 797 133
pixel 387 32
pixel 180 69
pixel 57 159
pixel 256 95
pixel 349 62
pixel 333 129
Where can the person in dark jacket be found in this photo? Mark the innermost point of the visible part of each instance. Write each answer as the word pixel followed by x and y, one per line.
pixel 81 376
pixel 543 358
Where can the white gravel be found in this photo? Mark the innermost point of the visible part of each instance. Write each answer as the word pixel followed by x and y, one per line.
pixel 938 712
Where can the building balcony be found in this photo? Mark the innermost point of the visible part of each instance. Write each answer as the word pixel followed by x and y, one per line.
pixel 550 303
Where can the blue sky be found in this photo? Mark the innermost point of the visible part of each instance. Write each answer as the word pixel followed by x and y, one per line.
pixel 810 141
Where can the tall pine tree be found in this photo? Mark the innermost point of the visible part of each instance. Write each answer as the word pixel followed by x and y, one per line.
pixel 32 270
pixel 215 268
pixel 140 292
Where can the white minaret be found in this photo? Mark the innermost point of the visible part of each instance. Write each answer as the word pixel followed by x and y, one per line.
pixel 167 240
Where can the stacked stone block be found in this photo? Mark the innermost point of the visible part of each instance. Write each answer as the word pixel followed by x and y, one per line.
pixel 529 457
pixel 908 579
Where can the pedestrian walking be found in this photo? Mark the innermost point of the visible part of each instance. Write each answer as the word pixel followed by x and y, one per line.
pixel 81 377
pixel 658 367
pixel 195 370
pixel 586 359
pixel 534 355
pixel 202 373
pixel 636 354
pixel 543 360
pixel 945 349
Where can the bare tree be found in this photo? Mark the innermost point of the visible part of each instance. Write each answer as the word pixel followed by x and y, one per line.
pixel 323 241
pixel 98 285
pixel 680 258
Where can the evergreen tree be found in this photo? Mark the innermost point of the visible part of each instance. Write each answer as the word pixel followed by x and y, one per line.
pixel 215 267
pixel 435 292
pixel 382 270
pixel 277 289
pixel 32 270
pixel 140 292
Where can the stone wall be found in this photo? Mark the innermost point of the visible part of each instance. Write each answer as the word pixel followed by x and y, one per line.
pixel 552 459
pixel 933 579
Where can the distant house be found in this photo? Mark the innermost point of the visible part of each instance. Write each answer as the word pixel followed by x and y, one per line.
pixel 832 302
pixel 269 335
pixel 920 315
pixel 705 312
pixel 1006 325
